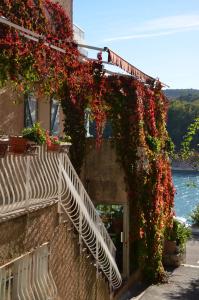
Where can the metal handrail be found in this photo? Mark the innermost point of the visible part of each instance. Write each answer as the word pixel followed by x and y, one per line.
pixel 30 181
pixel 80 209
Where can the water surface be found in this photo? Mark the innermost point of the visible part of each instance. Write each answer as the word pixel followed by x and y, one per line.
pixel 187 192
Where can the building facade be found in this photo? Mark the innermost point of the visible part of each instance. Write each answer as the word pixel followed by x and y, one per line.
pixel 53 245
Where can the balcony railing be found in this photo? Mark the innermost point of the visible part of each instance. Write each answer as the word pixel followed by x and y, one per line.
pixel 28 277
pixel 78 34
pixel 79 37
pixel 28 182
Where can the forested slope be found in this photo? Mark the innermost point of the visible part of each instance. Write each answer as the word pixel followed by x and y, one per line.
pixel 183 109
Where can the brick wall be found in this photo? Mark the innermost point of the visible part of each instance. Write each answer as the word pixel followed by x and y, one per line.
pixel 73 272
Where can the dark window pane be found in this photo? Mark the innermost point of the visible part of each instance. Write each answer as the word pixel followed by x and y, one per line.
pixel 30 111
pixel 54 117
pixel 107 132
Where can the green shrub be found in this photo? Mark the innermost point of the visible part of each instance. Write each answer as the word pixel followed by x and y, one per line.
pixel 194 216
pixel 179 233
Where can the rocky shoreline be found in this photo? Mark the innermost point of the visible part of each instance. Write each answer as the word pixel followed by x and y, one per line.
pixel 179 165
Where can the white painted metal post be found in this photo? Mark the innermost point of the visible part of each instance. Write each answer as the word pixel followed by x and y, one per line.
pixel 80 231
pixel 60 159
pixel 80 218
pixel 27 181
pixel 97 256
pixel 110 283
pixel 126 272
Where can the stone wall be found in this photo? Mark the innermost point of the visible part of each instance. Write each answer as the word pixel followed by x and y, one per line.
pixel 73 272
pixel 102 175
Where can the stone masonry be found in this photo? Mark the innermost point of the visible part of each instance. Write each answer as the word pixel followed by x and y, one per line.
pixel 72 270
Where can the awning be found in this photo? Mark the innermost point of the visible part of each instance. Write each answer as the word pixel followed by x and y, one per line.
pixel 113 58
pixel 127 67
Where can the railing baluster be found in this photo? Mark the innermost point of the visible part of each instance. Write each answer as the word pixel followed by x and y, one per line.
pixel 27 182
pixel 28 277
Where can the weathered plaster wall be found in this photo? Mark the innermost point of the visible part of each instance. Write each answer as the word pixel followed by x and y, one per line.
pixel 102 175
pixel 11 112
pixel 44 113
pixel 73 273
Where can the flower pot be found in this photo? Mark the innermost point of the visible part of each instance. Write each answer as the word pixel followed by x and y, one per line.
pixel 170 247
pixel 53 147
pixel 172 256
pixel 18 145
pixel 3 147
pixel 32 148
pixel 64 147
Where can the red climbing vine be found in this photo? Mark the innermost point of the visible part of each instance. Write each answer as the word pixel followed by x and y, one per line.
pixel 137 113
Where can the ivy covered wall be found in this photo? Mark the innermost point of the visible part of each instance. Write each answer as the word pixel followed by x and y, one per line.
pixel 137 112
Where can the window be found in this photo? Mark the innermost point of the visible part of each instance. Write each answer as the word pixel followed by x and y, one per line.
pixel 90 126
pixel 54 117
pixel 87 122
pixel 30 111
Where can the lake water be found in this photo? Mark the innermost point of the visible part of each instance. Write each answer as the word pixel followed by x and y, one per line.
pixel 187 192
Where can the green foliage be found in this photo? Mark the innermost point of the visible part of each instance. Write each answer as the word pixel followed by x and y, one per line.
pixel 182 94
pixel 194 216
pixel 154 143
pixel 65 139
pixel 191 132
pixel 179 233
pixel 169 146
pixel 35 134
pixel 180 115
pixel 74 127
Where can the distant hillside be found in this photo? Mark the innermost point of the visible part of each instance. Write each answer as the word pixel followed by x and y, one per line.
pixel 183 109
pixel 182 94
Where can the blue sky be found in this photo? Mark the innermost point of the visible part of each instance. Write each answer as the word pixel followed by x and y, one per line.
pixel 159 37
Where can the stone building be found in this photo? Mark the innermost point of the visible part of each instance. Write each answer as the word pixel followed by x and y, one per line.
pixel 53 245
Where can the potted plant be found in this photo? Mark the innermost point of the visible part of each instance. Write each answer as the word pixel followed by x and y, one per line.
pixel 194 216
pixel 28 141
pixel 52 142
pixel 35 134
pixel 175 243
pixel 65 143
pixel 18 145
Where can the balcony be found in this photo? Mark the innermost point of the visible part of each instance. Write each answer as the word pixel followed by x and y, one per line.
pixel 29 182
pixel 79 37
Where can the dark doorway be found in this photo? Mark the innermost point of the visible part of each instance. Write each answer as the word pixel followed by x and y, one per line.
pixel 112 217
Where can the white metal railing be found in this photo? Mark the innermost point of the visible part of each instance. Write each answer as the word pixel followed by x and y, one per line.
pixel 92 231
pixel 30 181
pixel 79 37
pixel 28 277
pixel 26 181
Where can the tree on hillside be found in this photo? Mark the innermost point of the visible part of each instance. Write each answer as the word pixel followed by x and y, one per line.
pixel 181 114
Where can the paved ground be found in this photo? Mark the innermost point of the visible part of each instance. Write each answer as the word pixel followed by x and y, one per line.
pixel 183 281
